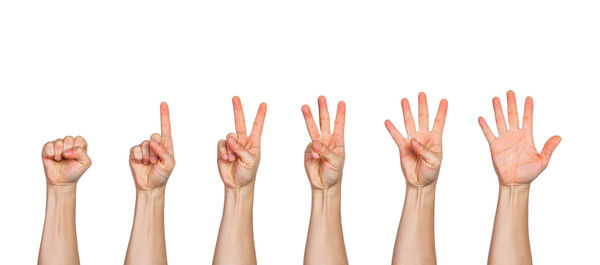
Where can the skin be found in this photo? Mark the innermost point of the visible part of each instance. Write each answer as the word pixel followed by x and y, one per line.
pixel 151 164
pixel 517 163
pixel 65 161
pixel 324 163
pixel 420 159
pixel 238 157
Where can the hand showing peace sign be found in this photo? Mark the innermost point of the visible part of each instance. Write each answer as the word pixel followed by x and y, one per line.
pixel 239 155
pixel 421 151
pixel 153 160
pixel 324 156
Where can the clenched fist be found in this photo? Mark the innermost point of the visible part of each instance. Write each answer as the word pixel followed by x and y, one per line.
pixel 324 156
pixel 153 160
pixel 65 160
pixel 239 155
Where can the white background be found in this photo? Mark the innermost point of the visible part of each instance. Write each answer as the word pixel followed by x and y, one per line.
pixel 101 68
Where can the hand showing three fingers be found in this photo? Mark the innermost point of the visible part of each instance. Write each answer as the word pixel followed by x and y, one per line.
pixel 324 156
pixel 421 151
pixel 153 160
pixel 515 158
pixel 65 160
pixel 239 155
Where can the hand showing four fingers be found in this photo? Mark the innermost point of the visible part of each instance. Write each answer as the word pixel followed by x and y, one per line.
pixel 65 160
pixel 153 160
pixel 238 155
pixel 515 158
pixel 421 150
pixel 324 156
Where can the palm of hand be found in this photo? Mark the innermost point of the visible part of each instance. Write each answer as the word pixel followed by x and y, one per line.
pixel 321 172
pixel 418 171
pixel 238 173
pixel 515 158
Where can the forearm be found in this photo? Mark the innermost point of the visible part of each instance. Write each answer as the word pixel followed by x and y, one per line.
pixel 147 242
pixel 235 243
pixel 510 238
pixel 325 242
pixel 415 242
pixel 59 238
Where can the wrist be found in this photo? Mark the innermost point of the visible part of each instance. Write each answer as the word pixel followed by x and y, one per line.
pixel 239 195
pixel 514 189
pixel 329 198
pixel 61 188
pixel 152 194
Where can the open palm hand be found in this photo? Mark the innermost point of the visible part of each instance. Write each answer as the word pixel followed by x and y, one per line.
pixel 515 158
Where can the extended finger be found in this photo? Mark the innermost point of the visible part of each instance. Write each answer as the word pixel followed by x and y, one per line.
pixel 513 115
pixel 240 120
pixel 409 123
pixel 313 131
pixel 489 135
pixel 423 113
pixel 340 122
pixel 549 147
pixel 324 116
pixel 528 114
pixel 259 121
pixel 396 135
pixel 500 122
pixel 440 117
pixel 165 127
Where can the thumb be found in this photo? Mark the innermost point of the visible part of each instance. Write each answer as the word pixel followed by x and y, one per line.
pixel 430 157
pixel 79 154
pixel 324 151
pixel 239 150
pixel 166 158
pixel 549 147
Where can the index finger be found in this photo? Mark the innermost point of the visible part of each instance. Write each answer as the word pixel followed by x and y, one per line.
pixel 240 120
pixel 165 126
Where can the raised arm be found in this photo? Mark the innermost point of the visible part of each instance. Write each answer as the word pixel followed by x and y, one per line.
pixel 324 163
pixel 517 163
pixel 151 164
pixel 420 159
pixel 65 160
pixel 238 157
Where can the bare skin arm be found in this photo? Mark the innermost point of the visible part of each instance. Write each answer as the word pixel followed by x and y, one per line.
pixel 517 163
pixel 238 157
pixel 324 162
pixel 421 158
pixel 151 164
pixel 65 161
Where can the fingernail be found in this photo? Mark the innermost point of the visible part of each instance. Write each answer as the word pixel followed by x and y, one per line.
pixel 69 152
pixel 154 142
pixel 231 140
pixel 153 160
pixel 318 145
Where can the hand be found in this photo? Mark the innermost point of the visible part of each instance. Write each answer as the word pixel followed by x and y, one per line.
pixel 238 156
pixel 324 156
pixel 421 152
pixel 152 161
pixel 515 158
pixel 65 160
